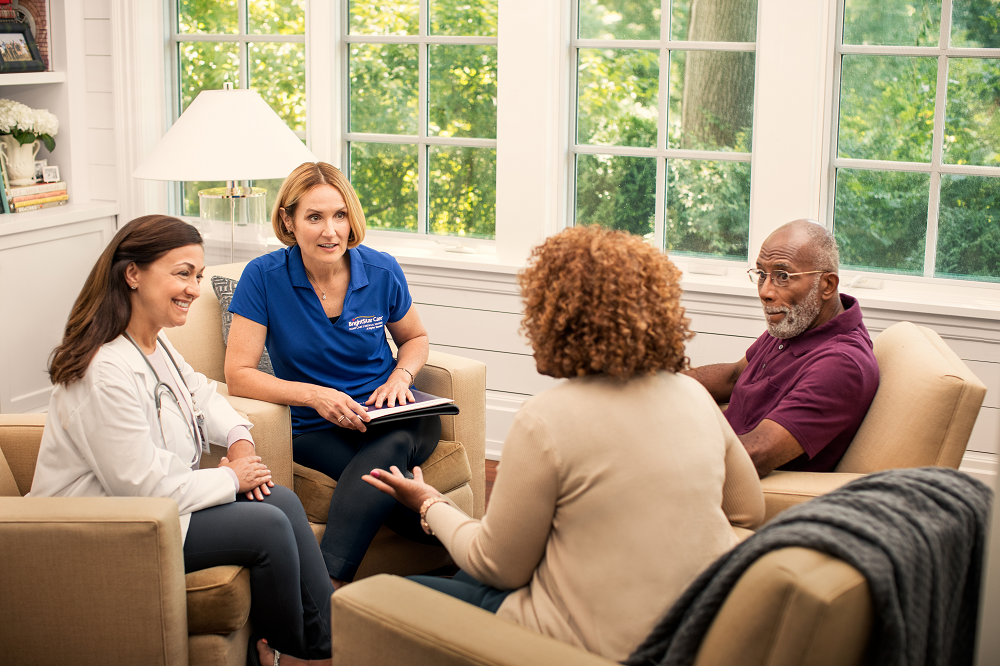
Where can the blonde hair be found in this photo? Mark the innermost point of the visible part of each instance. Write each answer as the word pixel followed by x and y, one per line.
pixel 305 177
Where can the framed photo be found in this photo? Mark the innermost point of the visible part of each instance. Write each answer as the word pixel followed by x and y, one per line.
pixel 50 174
pixel 18 51
pixel 39 165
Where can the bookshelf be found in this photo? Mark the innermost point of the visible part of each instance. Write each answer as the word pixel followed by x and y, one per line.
pixel 31 78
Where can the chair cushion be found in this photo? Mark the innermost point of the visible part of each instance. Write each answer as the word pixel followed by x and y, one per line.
pixel 8 486
pixel 224 288
pixel 446 469
pixel 218 599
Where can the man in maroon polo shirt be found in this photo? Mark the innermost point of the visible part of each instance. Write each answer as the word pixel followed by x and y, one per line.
pixel 797 398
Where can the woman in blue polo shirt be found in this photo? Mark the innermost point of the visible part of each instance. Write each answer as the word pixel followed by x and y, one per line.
pixel 321 307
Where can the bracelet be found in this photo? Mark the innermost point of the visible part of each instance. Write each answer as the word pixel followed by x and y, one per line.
pixel 428 503
pixel 399 367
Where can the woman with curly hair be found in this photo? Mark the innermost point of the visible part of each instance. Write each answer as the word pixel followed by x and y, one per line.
pixel 619 485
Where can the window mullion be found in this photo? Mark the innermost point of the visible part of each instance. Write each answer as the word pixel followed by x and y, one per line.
pixel 937 145
pixel 422 166
pixel 663 100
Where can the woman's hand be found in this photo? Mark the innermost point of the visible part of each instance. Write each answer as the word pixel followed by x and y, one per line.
pixel 339 408
pixel 396 390
pixel 411 493
pixel 250 472
pixel 243 448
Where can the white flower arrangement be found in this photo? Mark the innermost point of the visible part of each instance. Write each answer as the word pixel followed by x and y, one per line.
pixel 26 124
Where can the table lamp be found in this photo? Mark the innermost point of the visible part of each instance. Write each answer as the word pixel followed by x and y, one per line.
pixel 230 135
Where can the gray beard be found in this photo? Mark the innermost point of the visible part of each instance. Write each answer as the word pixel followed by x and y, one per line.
pixel 797 318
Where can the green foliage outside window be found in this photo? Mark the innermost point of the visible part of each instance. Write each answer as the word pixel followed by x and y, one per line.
pixel 887 113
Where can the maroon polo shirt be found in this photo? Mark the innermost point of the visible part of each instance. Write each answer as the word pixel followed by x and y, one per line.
pixel 817 385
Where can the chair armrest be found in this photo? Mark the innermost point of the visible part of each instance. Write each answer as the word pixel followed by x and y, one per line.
pixel 272 435
pixel 20 439
pixel 92 576
pixel 783 490
pixel 387 619
pixel 464 381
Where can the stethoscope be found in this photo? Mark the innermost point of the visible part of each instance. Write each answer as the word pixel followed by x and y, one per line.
pixel 196 430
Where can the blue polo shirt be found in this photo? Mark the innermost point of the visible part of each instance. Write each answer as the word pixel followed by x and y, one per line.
pixel 353 355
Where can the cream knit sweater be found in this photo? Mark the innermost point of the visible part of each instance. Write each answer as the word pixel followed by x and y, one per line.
pixel 611 498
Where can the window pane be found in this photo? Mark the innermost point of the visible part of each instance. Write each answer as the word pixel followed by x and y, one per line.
pixel 969 228
pixel 616 192
pixel 887 107
pixel 189 194
pixel 385 177
pixel 974 24
pixel 267 17
pixel 206 66
pixel 972 124
pixel 463 191
pixel 620 19
pixel 618 97
pixel 714 20
pixel 278 73
pixel 711 100
pixel 708 208
pixel 880 219
pixel 892 22
pixel 462 91
pixel 373 17
pixel 464 17
pixel 383 88
pixel 212 17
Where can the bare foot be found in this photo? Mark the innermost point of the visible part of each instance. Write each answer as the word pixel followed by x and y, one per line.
pixel 266 655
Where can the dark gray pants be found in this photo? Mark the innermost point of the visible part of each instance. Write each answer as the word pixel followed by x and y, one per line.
pixel 358 510
pixel 289 587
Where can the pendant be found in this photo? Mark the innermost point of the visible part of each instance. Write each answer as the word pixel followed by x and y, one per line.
pixel 324 295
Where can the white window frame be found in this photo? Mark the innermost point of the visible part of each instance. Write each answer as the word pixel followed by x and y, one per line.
pixel 421 140
pixel 936 167
pixel 661 153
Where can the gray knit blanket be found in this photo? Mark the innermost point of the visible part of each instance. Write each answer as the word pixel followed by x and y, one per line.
pixel 917 535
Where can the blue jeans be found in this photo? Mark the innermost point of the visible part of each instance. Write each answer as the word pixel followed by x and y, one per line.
pixel 468 589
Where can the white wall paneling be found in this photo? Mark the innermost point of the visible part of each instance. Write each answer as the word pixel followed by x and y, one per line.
pixel 48 264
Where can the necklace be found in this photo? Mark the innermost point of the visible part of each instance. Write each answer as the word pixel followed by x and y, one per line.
pixel 315 283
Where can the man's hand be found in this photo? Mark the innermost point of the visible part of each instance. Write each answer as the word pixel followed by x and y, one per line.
pixel 719 378
pixel 770 446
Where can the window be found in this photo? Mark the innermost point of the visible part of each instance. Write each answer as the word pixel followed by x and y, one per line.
pixel 421 114
pixel 661 143
pixel 916 177
pixel 256 44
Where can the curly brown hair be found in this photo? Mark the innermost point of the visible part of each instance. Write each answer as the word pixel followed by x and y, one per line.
pixel 603 302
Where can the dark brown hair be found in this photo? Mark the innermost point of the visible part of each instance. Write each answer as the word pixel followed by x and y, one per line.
pixel 603 302
pixel 305 177
pixel 103 308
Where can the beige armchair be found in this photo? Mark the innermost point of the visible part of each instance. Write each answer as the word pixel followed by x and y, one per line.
pixel 457 467
pixel 68 565
pixel 793 606
pixel 922 414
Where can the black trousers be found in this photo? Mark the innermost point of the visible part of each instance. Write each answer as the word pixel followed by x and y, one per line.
pixel 468 589
pixel 289 587
pixel 358 510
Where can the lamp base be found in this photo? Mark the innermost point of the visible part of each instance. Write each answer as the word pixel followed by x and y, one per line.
pixel 245 211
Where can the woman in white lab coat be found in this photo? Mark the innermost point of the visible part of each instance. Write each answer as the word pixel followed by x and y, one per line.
pixel 130 418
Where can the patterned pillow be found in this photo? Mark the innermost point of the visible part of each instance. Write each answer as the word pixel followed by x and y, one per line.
pixel 224 288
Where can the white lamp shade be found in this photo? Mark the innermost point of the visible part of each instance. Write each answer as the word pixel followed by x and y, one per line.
pixel 226 135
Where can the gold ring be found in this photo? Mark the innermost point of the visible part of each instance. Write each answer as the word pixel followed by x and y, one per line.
pixel 342 418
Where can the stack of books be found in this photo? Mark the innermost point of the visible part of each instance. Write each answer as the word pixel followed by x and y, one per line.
pixel 33 197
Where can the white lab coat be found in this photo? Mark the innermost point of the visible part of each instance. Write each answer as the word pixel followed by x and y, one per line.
pixel 102 436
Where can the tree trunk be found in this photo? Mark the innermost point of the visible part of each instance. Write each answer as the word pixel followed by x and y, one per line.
pixel 718 85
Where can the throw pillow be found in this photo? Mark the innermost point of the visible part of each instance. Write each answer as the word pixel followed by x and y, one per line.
pixel 224 288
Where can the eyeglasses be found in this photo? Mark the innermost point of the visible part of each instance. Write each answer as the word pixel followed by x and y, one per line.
pixel 778 278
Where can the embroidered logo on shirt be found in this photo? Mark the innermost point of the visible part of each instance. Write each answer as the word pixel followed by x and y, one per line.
pixel 365 323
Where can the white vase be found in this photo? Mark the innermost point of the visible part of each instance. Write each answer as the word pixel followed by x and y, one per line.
pixel 20 159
